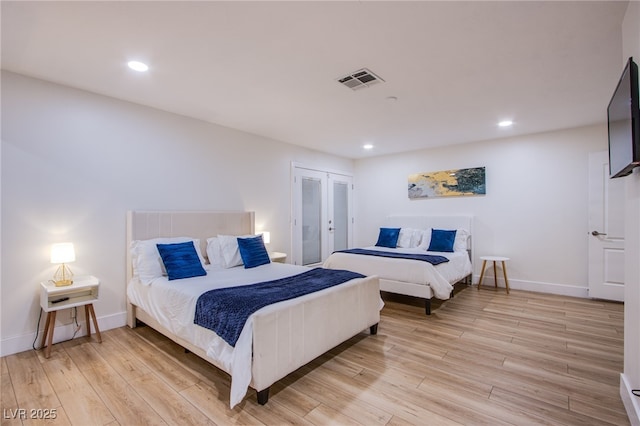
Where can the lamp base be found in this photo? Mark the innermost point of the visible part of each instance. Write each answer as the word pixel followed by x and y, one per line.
pixel 63 276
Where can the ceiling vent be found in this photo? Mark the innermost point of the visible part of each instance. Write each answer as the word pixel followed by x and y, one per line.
pixel 360 79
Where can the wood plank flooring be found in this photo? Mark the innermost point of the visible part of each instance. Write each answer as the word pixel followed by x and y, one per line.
pixel 481 358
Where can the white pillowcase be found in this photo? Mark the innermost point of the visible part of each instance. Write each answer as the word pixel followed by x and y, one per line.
pixel 146 260
pixel 460 243
pixel 214 253
pixel 425 239
pixel 230 251
pixel 409 238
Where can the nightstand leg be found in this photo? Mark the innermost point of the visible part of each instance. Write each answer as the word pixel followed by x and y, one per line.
pixel 484 264
pixel 495 275
pixel 95 322
pixel 52 324
pixel 504 272
pixel 46 330
pixel 87 318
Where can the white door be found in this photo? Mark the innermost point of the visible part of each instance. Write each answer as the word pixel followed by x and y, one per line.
pixel 606 230
pixel 322 218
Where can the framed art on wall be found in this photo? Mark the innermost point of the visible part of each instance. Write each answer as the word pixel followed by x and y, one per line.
pixel 448 183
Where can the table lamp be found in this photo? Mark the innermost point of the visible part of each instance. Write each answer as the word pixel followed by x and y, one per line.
pixel 63 253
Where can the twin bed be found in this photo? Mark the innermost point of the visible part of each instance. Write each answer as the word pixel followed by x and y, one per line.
pixel 279 338
pixel 411 277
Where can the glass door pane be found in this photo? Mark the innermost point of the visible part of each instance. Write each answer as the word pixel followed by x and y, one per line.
pixel 311 221
pixel 340 216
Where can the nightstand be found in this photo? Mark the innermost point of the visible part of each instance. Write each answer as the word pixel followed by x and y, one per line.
pixel 276 256
pixel 83 292
pixel 494 259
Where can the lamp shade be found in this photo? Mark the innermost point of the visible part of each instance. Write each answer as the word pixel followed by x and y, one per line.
pixel 62 253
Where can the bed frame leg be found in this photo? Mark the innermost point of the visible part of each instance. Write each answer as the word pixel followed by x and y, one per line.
pixel 374 329
pixel 427 306
pixel 263 396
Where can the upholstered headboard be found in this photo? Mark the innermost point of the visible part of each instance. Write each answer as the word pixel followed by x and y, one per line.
pixel 143 225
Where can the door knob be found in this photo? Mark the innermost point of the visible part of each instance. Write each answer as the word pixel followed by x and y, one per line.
pixel 596 233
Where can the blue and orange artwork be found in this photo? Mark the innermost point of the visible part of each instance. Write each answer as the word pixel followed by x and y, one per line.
pixel 448 183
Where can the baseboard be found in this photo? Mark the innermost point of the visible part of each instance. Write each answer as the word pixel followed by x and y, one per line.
pixel 537 286
pixel 630 401
pixel 24 342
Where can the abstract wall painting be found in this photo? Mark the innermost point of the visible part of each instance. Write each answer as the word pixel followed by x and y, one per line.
pixel 448 183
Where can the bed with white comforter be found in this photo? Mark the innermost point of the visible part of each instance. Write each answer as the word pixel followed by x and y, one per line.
pixel 277 339
pixel 412 277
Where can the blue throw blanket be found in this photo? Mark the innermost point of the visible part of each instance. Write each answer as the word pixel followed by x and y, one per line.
pixel 432 259
pixel 226 310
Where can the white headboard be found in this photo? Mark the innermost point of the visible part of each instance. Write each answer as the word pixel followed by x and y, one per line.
pixel 143 225
pixel 427 222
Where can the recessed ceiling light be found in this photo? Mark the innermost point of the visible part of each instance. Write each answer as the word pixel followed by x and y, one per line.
pixel 367 146
pixel 138 66
pixel 505 123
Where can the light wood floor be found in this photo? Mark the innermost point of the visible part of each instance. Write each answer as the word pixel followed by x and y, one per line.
pixel 481 358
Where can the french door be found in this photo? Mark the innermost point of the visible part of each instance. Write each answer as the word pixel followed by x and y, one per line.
pixel 322 214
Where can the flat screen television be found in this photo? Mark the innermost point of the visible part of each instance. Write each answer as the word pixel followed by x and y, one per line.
pixel 623 119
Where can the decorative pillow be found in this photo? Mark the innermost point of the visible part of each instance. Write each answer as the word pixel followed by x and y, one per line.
pixel 214 253
pixel 442 240
pixel 146 261
pixel 253 252
pixel 181 260
pixel 388 237
pixel 230 251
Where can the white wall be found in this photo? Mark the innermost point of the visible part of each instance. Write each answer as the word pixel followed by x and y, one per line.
pixel 535 209
pixel 74 162
pixel 630 379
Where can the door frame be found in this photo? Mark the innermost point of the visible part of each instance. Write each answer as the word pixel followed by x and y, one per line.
pixel 324 236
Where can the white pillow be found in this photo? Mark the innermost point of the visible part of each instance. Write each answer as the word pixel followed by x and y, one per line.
pixel 230 250
pixel 408 238
pixel 146 260
pixel 460 243
pixel 425 239
pixel 214 253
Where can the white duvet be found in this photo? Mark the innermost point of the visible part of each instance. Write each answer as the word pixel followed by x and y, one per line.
pixel 173 305
pixel 439 277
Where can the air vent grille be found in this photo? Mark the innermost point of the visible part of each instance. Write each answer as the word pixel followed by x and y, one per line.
pixel 360 79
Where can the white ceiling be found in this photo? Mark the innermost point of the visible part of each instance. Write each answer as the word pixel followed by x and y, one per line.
pixel 270 68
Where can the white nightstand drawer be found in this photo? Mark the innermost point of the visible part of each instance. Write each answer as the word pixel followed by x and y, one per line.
pixel 84 290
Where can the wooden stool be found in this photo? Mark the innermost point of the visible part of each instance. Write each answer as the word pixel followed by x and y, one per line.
pixel 494 259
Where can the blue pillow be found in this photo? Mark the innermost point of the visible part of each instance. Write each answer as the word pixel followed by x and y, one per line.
pixel 253 252
pixel 442 240
pixel 388 237
pixel 181 260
